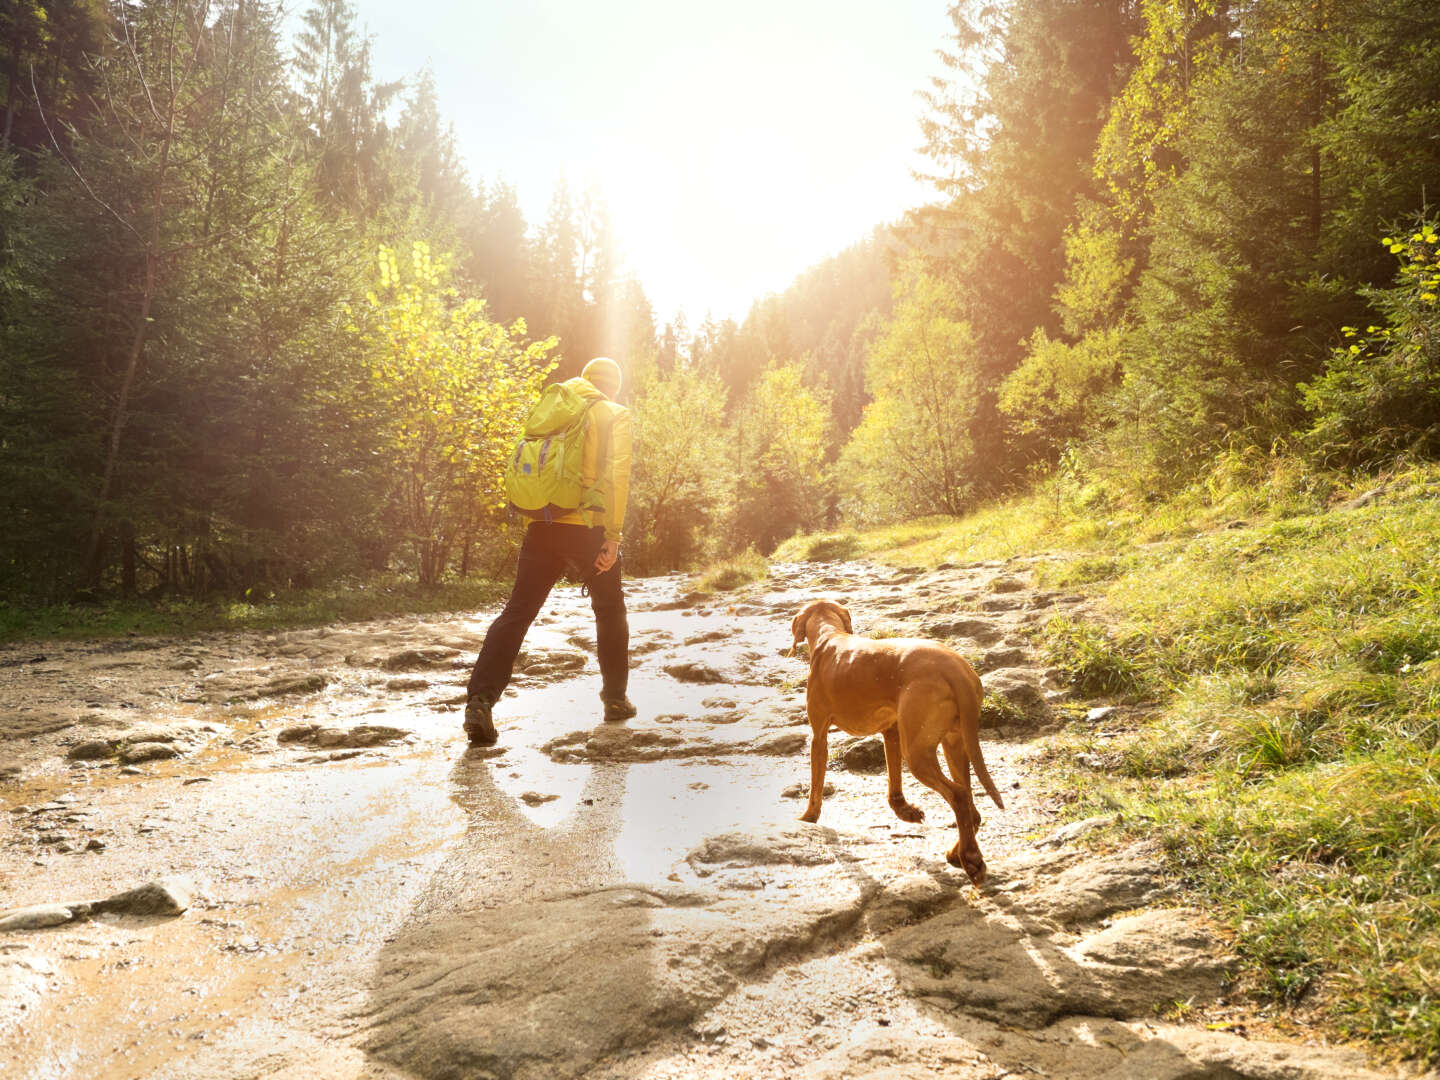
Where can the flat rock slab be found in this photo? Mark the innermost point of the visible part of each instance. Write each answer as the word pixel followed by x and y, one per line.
pixel 36 917
pixel 619 745
pixel 693 671
pixel 1006 968
pixel 549 989
pixel 168 896
pixel 248 686
pixel 332 738
pixel 415 659
pixel 1083 1049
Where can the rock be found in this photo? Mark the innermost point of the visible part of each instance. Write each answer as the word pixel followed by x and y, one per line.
pixel 95 844
pixel 285 685
pixel 1002 603
pixel 719 703
pixel 1067 834
pixel 36 917
pixel 1169 938
pixel 27 723
pixel 795 846
pixel 189 663
pixel 1008 970
pixel 359 736
pixel 1097 886
pixel 135 753
pixel 978 630
pixel 693 671
pixel 168 896
pixel 331 738
pixel 1363 499
pixel 782 745
pixel 91 750
pixel 554 988
pixel 549 663
pixel 865 755
pixel 1177 1053
pixel 1000 658
pixel 687 600
pixel 1007 585
pixel 627 744
pixel 423 657
pixel 802 791
pixel 535 798
pixel 1013 696
pixel 411 683
pixel 708 636
pixel 1100 712
pixel 907 898
pixel 11 770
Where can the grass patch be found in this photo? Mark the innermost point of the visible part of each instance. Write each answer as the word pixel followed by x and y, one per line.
pixel 355 601
pixel 731 573
pixel 1096 661
pixel 833 547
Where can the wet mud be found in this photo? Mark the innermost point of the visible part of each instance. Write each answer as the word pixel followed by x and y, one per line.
pixel 354 893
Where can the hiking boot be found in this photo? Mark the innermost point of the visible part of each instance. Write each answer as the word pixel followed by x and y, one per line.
pixel 618 708
pixel 479 727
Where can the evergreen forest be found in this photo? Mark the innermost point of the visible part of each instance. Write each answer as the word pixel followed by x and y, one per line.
pixel 260 329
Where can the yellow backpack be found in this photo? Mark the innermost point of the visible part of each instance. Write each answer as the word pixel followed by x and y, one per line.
pixel 543 477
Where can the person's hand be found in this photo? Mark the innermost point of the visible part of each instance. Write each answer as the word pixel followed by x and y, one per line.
pixel 609 552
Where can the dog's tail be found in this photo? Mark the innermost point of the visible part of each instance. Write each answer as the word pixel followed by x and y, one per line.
pixel 970 735
pixel 972 748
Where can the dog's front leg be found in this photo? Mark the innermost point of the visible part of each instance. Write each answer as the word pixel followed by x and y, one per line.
pixel 905 811
pixel 819 751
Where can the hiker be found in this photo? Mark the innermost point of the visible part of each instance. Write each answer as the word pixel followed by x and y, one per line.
pixel 578 511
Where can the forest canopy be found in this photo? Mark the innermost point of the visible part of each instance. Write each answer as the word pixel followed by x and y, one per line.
pixel 259 327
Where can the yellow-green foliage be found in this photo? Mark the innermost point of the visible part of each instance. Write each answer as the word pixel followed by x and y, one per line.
pixel 679 487
pixel 910 453
pixel 450 389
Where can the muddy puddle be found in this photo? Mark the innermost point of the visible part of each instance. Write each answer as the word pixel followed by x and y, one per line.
pixel 366 897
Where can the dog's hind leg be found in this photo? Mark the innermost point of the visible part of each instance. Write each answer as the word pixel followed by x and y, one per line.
pixel 819 749
pixel 959 763
pixel 903 810
pixel 925 715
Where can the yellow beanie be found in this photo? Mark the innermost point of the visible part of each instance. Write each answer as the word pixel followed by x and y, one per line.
pixel 603 374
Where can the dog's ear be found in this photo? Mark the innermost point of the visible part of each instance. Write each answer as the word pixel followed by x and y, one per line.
pixel 797 630
pixel 845 615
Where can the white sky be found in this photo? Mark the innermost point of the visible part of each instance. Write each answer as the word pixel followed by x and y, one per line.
pixel 736 143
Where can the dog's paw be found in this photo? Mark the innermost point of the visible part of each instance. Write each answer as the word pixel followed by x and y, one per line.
pixel 908 812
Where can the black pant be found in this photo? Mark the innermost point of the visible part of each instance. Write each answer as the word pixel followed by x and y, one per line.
pixel 549 551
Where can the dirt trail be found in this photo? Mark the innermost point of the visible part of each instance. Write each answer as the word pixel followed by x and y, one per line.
pixel 370 899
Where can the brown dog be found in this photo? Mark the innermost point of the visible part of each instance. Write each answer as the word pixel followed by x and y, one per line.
pixel 919 695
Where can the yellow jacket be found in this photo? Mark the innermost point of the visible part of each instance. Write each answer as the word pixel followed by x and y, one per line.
pixel 605 460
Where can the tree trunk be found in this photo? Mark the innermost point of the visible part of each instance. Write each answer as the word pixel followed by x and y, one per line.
pixel 13 78
pixel 121 416
pixel 127 558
